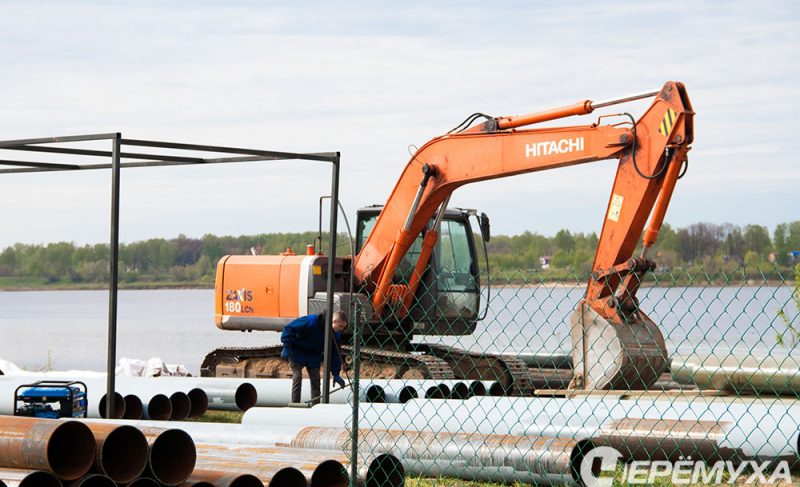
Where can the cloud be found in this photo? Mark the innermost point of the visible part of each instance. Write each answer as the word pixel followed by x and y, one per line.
pixel 370 80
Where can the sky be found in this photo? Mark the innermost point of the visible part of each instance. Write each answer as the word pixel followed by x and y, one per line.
pixel 374 80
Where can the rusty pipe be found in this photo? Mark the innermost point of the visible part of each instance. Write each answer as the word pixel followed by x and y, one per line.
pixel 172 455
pixel 146 482
pixel 134 409
pixel 324 468
pixel 93 480
pixel 66 448
pixel 224 479
pixel 121 451
pixel 272 474
pixel 28 478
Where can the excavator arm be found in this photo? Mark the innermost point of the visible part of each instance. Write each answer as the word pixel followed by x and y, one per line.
pixel 651 152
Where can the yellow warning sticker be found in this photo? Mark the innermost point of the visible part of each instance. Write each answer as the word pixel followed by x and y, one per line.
pixel 615 207
pixel 317 270
pixel 668 122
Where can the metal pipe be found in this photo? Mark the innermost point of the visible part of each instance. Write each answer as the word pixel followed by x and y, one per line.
pixel 93 480
pixel 148 482
pixel 28 478
pixel 383 469
pixel 181 406
pixel 272 474
pixel 400 393
pixel 476 388
pixel 326 352
pixel 172 456
pixel 460 390
pixel 545 361
pixel 199 401
pixel 221 394
pixel 224 479
pixel 740 375
pixel 578 417
pixel 624 99
pixel 242 398
pixel 66 448
pixel 157 407
pixel 121 451
pixel 541 458
pixel 222 433
pixel 113 283
pixel 134 409
pixel 101 408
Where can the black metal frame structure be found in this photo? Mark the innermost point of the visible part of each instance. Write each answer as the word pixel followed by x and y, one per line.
pixel 121 159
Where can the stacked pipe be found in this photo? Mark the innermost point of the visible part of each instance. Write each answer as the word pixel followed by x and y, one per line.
pixel 469 456
pixel 135 398
pixel 42 451
pixel 674 427
pixel 224 452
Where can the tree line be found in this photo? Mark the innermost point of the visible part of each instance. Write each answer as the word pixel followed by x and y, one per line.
pixel 701 247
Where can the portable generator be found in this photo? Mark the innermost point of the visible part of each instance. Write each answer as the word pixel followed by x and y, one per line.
pixel 51 399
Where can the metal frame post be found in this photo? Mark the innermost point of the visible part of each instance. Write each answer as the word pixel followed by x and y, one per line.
pixel 356 313
pixel 114 279
pixel 326 358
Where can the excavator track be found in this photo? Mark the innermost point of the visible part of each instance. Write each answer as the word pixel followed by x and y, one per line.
pixel 265 362
pixel 409 366
pixel 510 371
pixel 434 362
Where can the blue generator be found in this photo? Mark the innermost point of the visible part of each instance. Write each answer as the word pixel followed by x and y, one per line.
pixel 51 399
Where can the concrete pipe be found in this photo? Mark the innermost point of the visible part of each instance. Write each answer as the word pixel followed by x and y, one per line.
pixel 66 448
pixel 172 455
pixel 134 409
pixel 28 478
pixel 181 406
pixel 224 479
pixel 121 451
pixel 93 480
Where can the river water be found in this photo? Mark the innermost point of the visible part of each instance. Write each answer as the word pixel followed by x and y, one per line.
pixel 67 329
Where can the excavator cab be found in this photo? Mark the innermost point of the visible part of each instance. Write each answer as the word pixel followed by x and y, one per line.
pixel 447 301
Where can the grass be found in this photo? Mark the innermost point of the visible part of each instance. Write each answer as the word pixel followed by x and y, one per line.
pixel 219 417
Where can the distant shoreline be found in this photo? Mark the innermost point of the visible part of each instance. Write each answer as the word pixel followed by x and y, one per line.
pixel 495 286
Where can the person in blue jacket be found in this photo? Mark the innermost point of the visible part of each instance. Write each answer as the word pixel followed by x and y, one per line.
pixel 304 345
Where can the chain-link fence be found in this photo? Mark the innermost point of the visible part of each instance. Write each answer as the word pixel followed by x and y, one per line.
pixel 524 381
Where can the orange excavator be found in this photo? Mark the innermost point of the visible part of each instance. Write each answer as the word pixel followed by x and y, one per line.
pixel 416 268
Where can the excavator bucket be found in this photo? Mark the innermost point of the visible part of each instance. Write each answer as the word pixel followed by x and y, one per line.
pixel 606 355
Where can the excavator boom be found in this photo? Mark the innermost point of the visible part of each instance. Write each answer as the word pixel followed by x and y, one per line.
pixel 650 152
